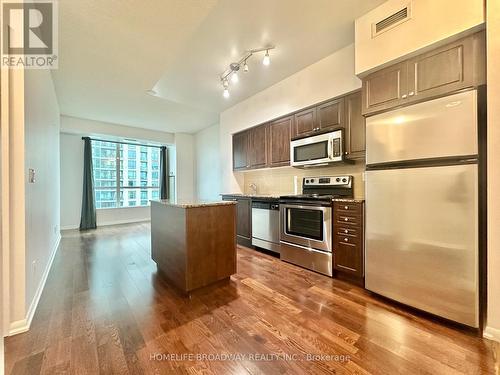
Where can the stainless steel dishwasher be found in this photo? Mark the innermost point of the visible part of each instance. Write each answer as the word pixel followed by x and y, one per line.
pixel 266 224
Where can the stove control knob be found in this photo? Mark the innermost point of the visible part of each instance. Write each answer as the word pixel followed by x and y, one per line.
pixel 307 181
pixel 337 179
pixel 312 180
pixel 344 179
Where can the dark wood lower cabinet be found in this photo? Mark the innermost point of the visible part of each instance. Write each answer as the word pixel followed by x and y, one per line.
pixel 243 218
pixel 348 240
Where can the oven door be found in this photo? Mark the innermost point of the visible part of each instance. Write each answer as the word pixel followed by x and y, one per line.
pixel 318 149
pixel 307 226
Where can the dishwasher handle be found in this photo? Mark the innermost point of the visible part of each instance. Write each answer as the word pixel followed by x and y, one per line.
pixel 266 205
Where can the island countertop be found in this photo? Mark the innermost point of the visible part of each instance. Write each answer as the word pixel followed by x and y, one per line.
pixel 191 203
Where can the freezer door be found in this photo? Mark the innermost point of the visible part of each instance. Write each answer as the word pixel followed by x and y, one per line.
pixel 438 128
pixel 422 239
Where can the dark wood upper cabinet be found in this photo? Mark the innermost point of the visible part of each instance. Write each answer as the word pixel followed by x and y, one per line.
pixel 280 134
pixel 443 70
pixel 330 115
pixel 257 151
pixel 305 122
pixel 385 88
pixel 354 127
pixel 240 151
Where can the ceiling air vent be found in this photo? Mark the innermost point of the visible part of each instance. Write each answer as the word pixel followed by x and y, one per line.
pixel 392 21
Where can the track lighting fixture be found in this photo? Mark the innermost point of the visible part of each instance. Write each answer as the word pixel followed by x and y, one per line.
pixel 232 71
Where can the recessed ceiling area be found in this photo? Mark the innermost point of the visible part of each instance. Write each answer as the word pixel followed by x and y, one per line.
pixel 111 53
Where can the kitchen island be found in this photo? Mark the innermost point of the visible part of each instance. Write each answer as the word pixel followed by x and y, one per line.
pixel 194 243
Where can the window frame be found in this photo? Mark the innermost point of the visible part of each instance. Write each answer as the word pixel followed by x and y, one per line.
pixel 124 188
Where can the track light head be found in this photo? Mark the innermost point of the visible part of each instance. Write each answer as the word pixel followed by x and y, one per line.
pixel 225 93
pixel 267 60
pixel 234 77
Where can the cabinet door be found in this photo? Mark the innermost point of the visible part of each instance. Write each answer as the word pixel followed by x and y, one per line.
pixel 355 128
pixel 305 122
pixel 385 89
pixel 279 141
pixel 257 151
pixel 446 69
pixel 348 258
pixel 240 151
pixel 244 218
pixel 331 114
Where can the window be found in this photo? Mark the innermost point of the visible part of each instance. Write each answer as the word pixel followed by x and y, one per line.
pixel 118 181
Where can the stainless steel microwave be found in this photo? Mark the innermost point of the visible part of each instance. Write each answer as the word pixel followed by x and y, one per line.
pixel 317 149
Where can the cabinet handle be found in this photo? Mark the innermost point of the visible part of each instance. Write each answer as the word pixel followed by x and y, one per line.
pixel 403 96
pixel 346 231
pixel 346 207
pixel 346 239
pixel 411 93
pixel 346 219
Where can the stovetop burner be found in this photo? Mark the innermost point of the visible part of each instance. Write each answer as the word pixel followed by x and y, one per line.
pixel 323 188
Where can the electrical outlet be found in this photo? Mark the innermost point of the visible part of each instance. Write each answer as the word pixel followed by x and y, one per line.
pixel 31 176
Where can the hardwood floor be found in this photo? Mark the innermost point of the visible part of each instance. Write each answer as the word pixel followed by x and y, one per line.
pixel 105 310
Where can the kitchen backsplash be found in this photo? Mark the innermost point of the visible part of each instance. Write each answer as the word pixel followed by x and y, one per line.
pixel 282 180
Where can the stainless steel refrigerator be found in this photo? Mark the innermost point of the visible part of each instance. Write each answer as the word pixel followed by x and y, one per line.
pixel 422 197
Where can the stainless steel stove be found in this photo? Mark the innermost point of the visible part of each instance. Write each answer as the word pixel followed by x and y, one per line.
pixel 306 224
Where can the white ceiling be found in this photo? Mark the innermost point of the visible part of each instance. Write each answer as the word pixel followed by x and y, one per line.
pixel 112 51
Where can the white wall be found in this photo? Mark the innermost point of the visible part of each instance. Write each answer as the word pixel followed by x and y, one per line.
pixel 80 126
pixel 207 163
pixel 327 78
pixel 493 61
pixel 42 196
pixel 185 167
pixel 71 180
pixel 431 21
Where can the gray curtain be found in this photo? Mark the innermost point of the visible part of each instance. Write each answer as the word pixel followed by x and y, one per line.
pixel 163 173
pixel 88 217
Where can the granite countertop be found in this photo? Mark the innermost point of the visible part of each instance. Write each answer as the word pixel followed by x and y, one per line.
pixel 265 196
pixel 352 200
pixel 191 203
pixel 348 200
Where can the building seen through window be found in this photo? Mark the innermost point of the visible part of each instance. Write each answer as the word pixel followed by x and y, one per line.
pixel 125 175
